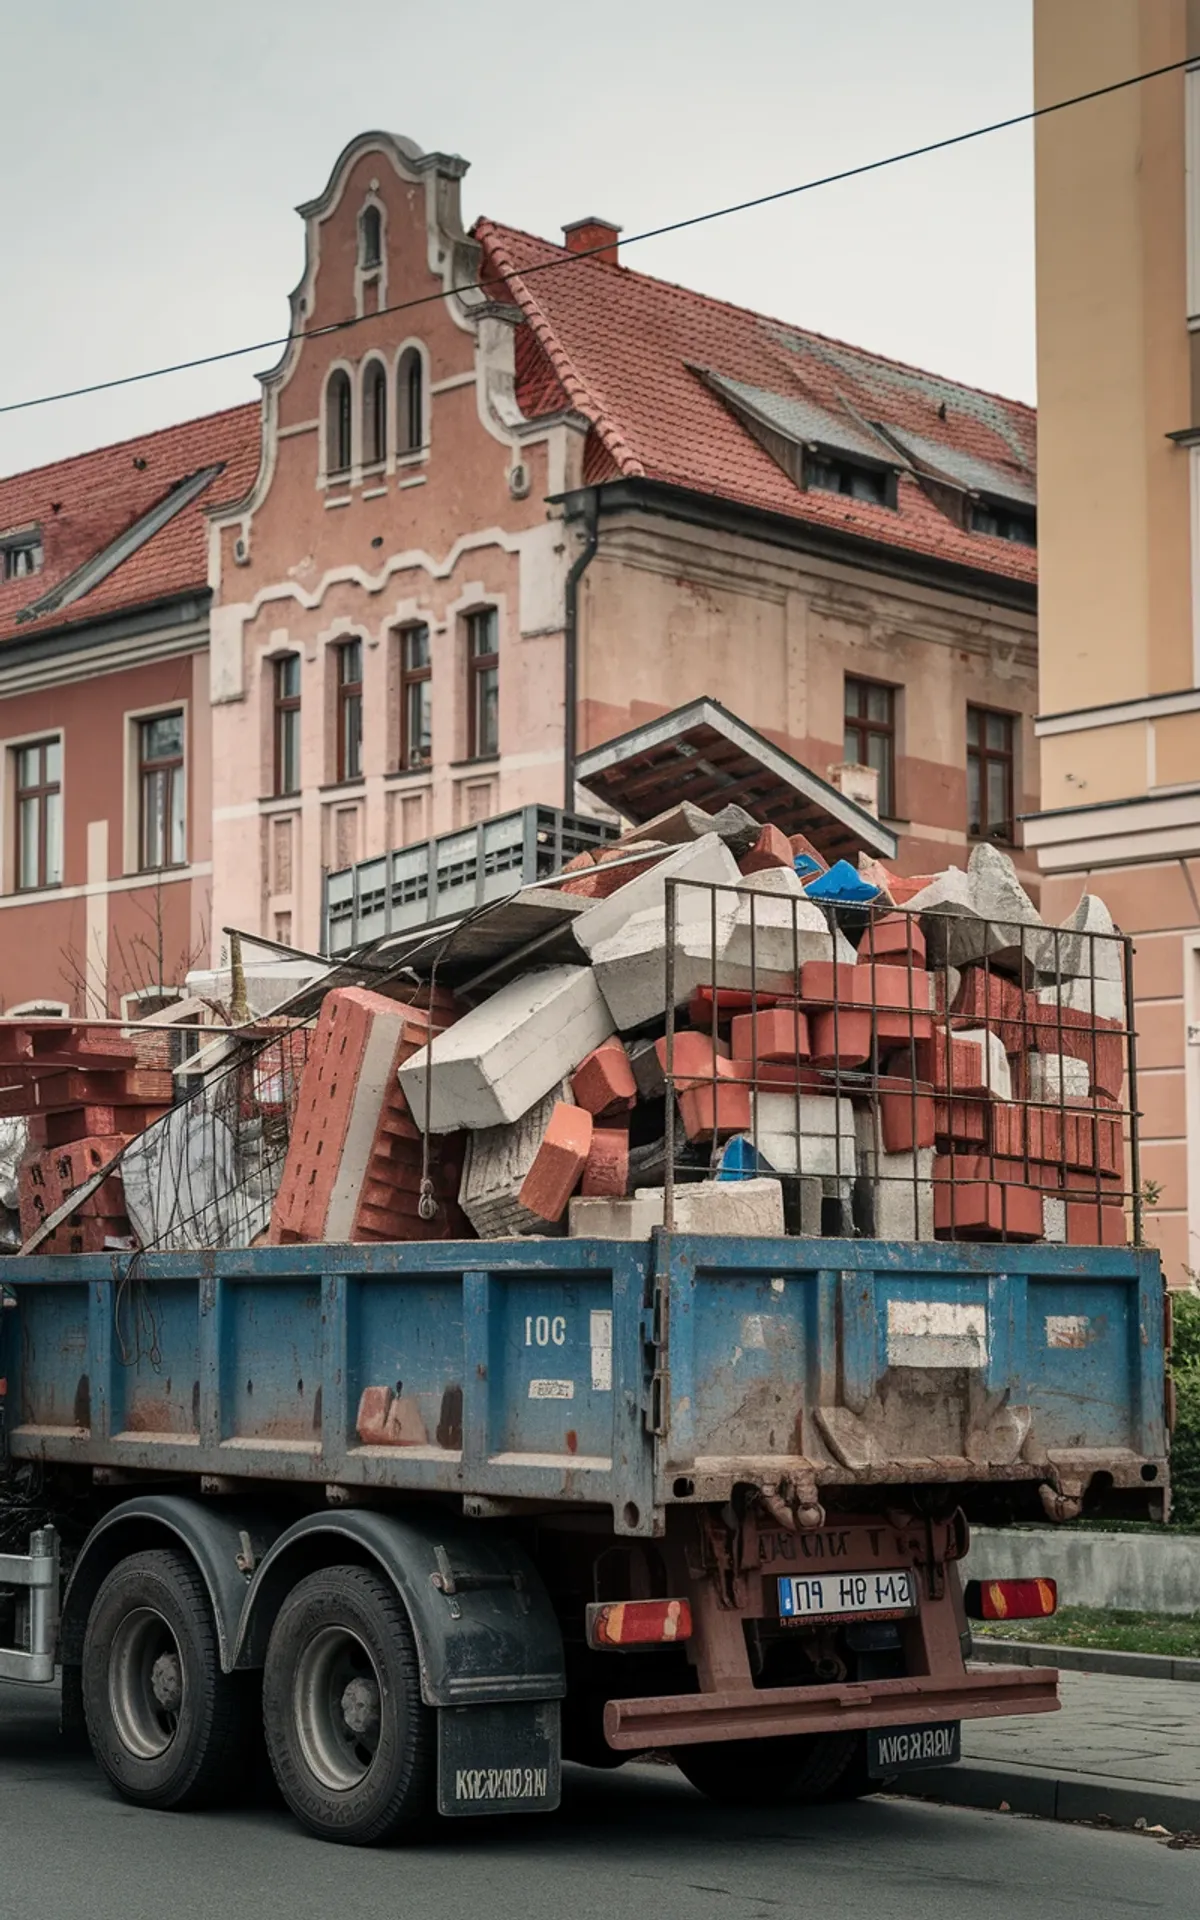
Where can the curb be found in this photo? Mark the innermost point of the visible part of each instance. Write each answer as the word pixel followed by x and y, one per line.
pixel 1034 1790
pixel 1133 1666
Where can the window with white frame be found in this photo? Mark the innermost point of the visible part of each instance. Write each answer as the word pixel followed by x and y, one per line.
pixel 20 553
pixel 162 792
pixel 37 811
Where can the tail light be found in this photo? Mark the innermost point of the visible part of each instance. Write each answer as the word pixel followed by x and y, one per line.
pixel 613 1624
pixel 1010 1599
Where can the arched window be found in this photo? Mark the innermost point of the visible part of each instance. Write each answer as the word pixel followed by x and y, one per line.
pixel 370 237
pixel 410 400
pixel 337 422
pixel 374 421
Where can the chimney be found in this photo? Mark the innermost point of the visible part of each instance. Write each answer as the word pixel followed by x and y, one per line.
pixel 593 235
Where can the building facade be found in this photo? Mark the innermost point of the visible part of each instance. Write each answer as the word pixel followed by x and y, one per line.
pixel 1118 280
pixel 105 793
pixel 532 498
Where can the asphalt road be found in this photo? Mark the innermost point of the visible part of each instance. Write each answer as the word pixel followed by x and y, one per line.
pixel 636 1842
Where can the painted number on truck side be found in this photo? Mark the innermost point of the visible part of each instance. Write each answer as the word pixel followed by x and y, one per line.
pixel 543 1331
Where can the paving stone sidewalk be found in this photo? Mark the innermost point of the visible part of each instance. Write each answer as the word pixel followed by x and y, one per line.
pixel 1120 1749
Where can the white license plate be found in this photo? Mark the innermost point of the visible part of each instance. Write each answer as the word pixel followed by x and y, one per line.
pixel 827 1596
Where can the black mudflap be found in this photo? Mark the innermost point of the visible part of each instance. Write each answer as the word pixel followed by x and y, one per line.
pixel 500 1759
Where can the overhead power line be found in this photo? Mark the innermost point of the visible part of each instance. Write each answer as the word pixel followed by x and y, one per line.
pixel 567 260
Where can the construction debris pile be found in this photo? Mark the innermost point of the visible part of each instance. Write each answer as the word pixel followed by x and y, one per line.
pixel 733 1037
pixel 700 1025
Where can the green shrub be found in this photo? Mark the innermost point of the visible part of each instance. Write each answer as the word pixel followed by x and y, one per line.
pixel 1185 1448
pixel 1185 1339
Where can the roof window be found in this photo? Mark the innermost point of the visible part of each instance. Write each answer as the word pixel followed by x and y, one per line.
pixel 1004 522
pixel 20 553
pixel 825 472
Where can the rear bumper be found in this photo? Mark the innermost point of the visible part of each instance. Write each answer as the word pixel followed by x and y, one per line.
pixel 687 1719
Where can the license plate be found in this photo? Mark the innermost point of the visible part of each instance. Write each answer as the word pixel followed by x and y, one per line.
pixel 847 1596
pixel 908 1749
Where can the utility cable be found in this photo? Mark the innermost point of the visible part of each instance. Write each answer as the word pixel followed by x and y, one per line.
pixel 570 259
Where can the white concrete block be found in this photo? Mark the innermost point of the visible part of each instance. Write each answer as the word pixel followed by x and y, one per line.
pixel 776 929
pixel 824 1142
pixel 491 1066
pixel 1103 999
pixel 1057 1076
pixel 1071 952
pixel 726 1206
pixel 497 1160
pixel 631 966
pixel 607 1219
pixel 995 1073
pixel 894 1194
pixel 1054 1220
pixel 705 860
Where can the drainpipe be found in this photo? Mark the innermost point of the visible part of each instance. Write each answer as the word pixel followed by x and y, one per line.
pixel 580 564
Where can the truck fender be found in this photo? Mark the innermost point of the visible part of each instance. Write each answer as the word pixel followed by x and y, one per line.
pixel 223 1543
pixel 482 1620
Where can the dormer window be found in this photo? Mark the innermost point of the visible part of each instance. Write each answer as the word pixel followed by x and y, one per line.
pixel 1004 523
pixel 370 237
pixel 828 473
pixel 20 554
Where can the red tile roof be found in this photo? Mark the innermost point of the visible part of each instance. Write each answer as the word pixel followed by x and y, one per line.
pixel 632 354
pixel 83 504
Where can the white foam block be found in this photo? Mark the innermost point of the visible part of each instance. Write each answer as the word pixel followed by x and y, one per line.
pixel 705 860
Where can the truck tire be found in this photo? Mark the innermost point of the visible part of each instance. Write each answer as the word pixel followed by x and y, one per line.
pixel 854 1782
pixel 771 1772
pixel 353 1746
pixel 166 1725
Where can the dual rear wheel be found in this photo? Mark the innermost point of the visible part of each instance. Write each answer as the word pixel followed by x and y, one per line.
pixel 350 1742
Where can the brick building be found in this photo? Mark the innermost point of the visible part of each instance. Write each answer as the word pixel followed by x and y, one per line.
pixel 105 795
pixel 534 498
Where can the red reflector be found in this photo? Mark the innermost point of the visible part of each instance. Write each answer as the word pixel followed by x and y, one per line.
pixel 638 1623
pixel 1010 1599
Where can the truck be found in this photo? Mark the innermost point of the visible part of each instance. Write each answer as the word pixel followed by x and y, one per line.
pixel 698 1496
pixel 426 1518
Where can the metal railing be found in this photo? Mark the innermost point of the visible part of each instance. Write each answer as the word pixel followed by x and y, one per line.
pixel 453 873
pixel 867 1110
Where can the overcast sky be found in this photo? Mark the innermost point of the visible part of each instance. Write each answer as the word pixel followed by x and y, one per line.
pixel 153 153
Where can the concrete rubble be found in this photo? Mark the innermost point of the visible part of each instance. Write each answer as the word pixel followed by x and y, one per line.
pixel 825 1051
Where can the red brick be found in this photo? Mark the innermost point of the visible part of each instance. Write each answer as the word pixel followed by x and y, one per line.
pixel 771 849
pixel 1092 1225
pixel 801 844
pixel 989 1166
pixel 131 1086
pixel 822 982
pixel 599 883
pixel 841 1037
pixel 1099 1042
pixel 962 1122
pixel 722 1107
pixel 771 1033
pixel 907 1120
pixel 773 1074
pixel 905 887
pixel 558 1163
pixel 727 1002
pixel 605 1079
pixel 692 1059
pixel 1094 1180
pixel 987 999
pixel 985 1209
pixel 950 1065
pixel 582 864
pixel 83 1123
pixel 901 1028
pixel 607 1168
pixel 893 940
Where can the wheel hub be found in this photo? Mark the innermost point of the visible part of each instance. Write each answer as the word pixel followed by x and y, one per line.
pixel 360 1705
pixel 337 1702
pixel 166 1682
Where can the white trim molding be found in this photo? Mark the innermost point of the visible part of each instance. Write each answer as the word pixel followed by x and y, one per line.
pixel 1151 706
pixel 1116 833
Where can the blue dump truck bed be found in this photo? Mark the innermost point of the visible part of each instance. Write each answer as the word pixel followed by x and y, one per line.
pixel 631 1377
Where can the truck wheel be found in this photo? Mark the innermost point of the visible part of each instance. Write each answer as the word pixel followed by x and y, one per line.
pixel 771 1772
pixel 166 1725
pixel 854 1782
pixel 353 1746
